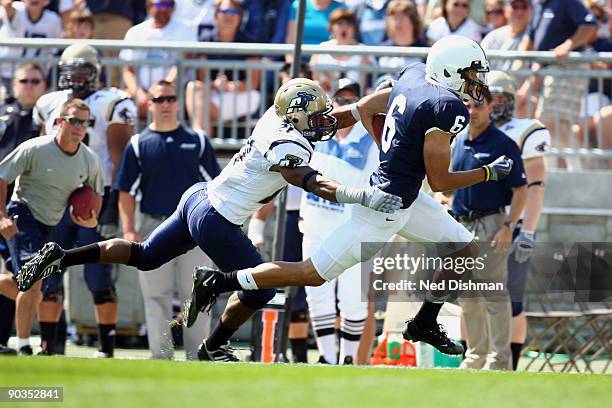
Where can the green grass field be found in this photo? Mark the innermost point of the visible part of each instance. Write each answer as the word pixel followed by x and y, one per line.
pixel 147 383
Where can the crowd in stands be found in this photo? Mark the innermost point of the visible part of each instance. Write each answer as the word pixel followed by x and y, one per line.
pixel 561 26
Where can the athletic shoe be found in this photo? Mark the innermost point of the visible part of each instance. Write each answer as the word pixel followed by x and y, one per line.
pixel 46 262
pixel 435 336
pixel 101 354
pixel 348 360
pixel 7 351
pixel 322 360
pixel 224 353
pixel 45 353
pixel 26 351
pixel 202 295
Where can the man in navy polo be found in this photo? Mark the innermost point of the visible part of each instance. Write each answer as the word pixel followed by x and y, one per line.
pixel 481 209
pixel 161 163
pixel 560 26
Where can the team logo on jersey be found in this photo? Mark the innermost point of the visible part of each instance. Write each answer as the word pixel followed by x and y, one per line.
pixel 290 161
pixel 480 156
pixel 300 102
pixel 126 116
pixel 542 147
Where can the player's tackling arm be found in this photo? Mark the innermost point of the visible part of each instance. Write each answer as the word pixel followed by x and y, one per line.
pixel 315 183
pixel 437 155
pixel 367 107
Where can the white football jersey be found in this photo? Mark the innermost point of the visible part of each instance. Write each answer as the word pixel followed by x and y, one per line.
pixel 530 135
pixel 247 183
pixel 350 162
pixel 108 106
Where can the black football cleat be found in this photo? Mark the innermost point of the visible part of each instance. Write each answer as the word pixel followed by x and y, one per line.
pixel 223 354
pixel 26 351
pixel 436 336
pixel 7 351
pixel 46 262
pixel 202 294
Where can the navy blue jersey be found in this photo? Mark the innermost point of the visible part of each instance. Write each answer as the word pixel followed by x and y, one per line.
pixel 162 165
pixel 472 154
pixel 415 108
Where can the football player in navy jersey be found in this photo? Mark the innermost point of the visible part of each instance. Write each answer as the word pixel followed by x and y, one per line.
pixel 209 215
pixel 425 111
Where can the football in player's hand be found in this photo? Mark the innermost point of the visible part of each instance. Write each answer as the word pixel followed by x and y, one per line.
pixel 83 200
pixel 378 123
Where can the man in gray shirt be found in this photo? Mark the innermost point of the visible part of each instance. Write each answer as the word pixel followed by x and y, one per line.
pixel 46 170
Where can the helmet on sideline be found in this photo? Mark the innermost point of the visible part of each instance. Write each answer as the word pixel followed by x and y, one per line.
pixel 79 69
pixel 503 89
pixel 458 64
pixel 303 103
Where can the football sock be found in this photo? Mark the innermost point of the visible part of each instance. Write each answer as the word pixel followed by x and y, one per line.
pixel 516 354
pixel 299 350
pixel 80 256
pixel 106 337
pixel 23 342
pixel 246 280
pixel 226 282
pixel 350 333
pixel 325 331
pixel 428 314
pixel 219 336
pixel 48 331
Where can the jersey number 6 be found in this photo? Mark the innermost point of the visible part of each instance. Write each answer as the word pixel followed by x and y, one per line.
pixel 399 103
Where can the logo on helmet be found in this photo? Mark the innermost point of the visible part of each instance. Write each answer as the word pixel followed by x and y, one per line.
pixel 300 102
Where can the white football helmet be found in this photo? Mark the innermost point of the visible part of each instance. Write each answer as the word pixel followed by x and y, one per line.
pixel 460 65
pixel 502 87
pixel 79 69
pixel 303 103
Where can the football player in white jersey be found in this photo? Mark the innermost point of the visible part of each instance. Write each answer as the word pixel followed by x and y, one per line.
pixel 210 215
pixel 533 139
pixel 110 129
pixel 350 157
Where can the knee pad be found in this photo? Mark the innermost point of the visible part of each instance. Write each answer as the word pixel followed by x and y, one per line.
pixel 55 296
pixel 256 299
pixel 299 316
pixel 105 296
pixel 517 308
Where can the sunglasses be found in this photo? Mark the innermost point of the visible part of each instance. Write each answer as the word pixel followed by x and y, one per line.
pixel 33 81
pixel 496 12
pixel 464 5
pixel 345 101
pixel 162 99
pixel 163 4
pixel 76 121
pixel 230 11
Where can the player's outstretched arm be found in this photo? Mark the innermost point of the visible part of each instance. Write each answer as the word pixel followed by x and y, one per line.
pixel 311 180
pixel 437 155
pixel 364 110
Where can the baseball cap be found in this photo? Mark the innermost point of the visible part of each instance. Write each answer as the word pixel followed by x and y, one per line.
pixel 351 85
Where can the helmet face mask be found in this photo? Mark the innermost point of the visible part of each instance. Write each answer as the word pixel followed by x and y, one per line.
pixel 79 70
pixel 503 106
pixel 459 65
pixel 303 104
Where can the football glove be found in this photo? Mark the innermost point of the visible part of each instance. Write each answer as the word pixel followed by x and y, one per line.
pixel 523 245
pixel 499 169
pixel 372 197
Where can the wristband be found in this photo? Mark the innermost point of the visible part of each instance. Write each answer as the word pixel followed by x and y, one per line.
pixel 510 225
pixel 307 177
pixel 355 112
pixel 487 171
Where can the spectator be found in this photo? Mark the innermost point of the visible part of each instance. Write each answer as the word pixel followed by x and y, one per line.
pixel 27 19
pixel 481 209
pixel 165 159
pixel 533 140
pixel 509 37
pixel 230 96
pixel 494 15
pixel 267 21
pixel 454 20
pixel 113 18
pixel 343 28
pixel 432 10
pixel 199 14
pixel 38 204
pixel 316 21
pixel 560 26
pixel 160 27
pixel 350 157
pixel 371 21
pixel 16 126
pixel 403 30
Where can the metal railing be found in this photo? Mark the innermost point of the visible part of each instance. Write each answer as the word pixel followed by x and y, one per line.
pixel 230 131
